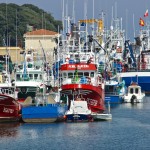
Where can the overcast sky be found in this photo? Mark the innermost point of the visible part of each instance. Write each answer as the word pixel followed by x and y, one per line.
pixel 129 10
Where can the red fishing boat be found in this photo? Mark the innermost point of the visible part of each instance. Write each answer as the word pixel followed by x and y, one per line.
pixel 77 69
pixel 82 81
pixel 10 109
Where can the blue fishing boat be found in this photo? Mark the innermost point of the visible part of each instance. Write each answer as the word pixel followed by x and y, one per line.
pixel 43 109
pixel 48 113
pixel 114 91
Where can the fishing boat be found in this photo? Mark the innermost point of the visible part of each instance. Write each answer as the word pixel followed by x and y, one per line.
pixel 134 94
pixel 33 73
pixel 78 70
pixel 44 108
pixel 136 61
pixel 78 111
pixel 10 109
pixel 114 91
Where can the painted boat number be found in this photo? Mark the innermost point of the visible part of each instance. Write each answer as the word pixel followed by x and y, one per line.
pixel 8 110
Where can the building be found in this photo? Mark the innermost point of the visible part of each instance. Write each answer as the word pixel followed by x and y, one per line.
pixel 40 40
pixel 13 52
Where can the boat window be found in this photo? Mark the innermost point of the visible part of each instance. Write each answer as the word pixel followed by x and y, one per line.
pixel 31 76
pixel 92 74
pixel 109 88
pixel 86 74
pixel 136 90
pixel 70 75
pixel 35 76
pixel 18 76
pixel 65 75
pixel 40 76
pixel 131 91
pixel 80 74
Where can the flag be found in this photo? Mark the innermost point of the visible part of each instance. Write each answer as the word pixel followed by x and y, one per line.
pixel 141 22
pixel 146 13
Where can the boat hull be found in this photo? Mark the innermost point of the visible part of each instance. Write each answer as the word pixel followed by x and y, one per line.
pixel 49 113
pixel 113 99
pixel 94 95
pixel 79 118
pixel 9 109
pixel 138 99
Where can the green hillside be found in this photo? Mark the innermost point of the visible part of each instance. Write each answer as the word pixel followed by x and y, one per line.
pixel 17 20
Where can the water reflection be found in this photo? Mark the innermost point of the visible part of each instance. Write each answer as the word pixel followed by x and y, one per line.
pixel 135 105
pixel 9 129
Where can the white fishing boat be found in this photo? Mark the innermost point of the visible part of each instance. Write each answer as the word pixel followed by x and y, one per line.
pixel 30 75
pixel 134 94
pixel 78 111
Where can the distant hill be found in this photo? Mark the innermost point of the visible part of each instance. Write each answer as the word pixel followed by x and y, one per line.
pixel 17 20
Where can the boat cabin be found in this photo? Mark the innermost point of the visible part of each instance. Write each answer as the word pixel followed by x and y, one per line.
pixel 134 89
pixel 82 77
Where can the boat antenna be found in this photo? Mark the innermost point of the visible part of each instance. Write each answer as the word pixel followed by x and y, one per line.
pixel 43 51
pixel 73 11
pixel 16 39
pixel 126 22
pixel 133 26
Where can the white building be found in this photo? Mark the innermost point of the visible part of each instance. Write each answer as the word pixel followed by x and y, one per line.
pixel 41 39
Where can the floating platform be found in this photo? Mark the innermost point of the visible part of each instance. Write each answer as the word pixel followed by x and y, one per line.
pixel 100 117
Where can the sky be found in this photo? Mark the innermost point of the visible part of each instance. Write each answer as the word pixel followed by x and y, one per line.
pixel 129 10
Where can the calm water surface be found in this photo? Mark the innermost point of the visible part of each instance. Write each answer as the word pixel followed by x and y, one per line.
pixel 128 130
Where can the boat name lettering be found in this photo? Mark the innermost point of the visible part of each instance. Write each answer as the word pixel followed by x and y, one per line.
pixel 78 66
pixel 92 102
pixel 8 110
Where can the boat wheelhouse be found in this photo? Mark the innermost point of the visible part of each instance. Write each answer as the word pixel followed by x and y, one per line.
pixel 134 94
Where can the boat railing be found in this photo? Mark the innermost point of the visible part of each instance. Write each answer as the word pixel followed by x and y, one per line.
pixel 111 93
pixel 142 66
pixel 82 80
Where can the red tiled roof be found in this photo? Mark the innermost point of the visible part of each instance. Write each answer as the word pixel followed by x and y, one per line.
pixel 41 32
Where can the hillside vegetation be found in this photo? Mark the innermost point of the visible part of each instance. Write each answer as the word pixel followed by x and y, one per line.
pixel 16 20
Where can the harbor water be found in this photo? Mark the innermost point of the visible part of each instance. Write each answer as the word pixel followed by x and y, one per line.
pixel 129 129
